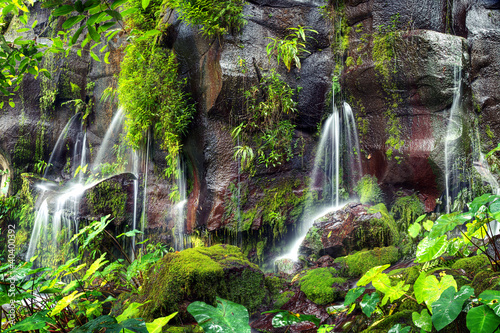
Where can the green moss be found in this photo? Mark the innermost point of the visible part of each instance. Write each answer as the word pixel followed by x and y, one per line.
pixel 471 265
pixel 313 237
pixel 368 190
pixel 486 280
pixel 406 210
pixel 489 132
pixel 359 263
pixel 359 62
pixel 318 285
pixel 283 298
pixel 201 274
pixel 411 274
pixel 381 230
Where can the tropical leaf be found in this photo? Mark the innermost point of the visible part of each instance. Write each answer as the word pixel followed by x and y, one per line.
pixel 414 229
pixel 482 319
pixel 399 329
pixel 352 295
pixel 395 292
pixel 64 302
pixel 447 222
pixel 227 317
pixel 428 289
pixel 449 305
pixel 369 303
pixel 492 299
pixel 112 326
pixel 422 320
pixel 285 318
pixel 372 274
pixel 35 322
pixel 428 225
pixel 157 325
pixel 430 248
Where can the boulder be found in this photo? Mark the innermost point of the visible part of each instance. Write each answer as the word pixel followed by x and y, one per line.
pixel 201 274
pixel 352 228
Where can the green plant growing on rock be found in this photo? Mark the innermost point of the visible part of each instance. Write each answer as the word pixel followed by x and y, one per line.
pixel 214 17
pixel 406 209
pixel 368 190
pixel 267 125
pixel 291 47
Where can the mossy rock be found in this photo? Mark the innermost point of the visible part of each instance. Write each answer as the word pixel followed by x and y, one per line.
pixel 400 317
pixel 471 265
pixel 201 274
pixel 322 286
pixel 283 298
pixel 359 263
pixel 383 227
pixel 486 280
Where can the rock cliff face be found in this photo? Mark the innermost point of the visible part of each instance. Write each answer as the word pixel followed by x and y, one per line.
pixel 399 79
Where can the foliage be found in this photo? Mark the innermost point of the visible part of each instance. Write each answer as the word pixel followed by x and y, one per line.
pixel 226 317
pixel 283 318
pixel 360 262
pixel 406 209
pixel 368 190
pixel 153 96
pixel 290 48
pixel 269 109
pixel 214 17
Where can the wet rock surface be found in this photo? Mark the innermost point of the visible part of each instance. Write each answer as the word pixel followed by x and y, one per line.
pixel 352 228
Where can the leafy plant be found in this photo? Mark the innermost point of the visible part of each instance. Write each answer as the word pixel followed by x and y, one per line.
pixel 291 47
pixel 214 17
pixel 368 190
pixel 267 123
pixel 226 317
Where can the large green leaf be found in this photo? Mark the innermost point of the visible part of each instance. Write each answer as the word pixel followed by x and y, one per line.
pixel 430 248
pixel 482 319
pixel 369 303
pixel 285 318
pixel 227 317
pixel 414 229
pixel 372 274
pixel 492 299
pixel 447 308
pixel 483 200
pixel 422 320
pixel 428 289
pixel 35 322
pixel 395 292
pixel 353 295
pixel 447 222
pixel 110 325
pixel 157 325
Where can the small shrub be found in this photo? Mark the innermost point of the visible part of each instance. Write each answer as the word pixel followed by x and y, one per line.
pixel 368 190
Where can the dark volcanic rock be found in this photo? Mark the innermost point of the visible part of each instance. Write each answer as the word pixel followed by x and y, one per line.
pixel 352 228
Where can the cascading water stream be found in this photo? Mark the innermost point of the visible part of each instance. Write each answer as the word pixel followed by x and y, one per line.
pixel 451 144
pixel 180 207
pixel 336 163
pixel 41 222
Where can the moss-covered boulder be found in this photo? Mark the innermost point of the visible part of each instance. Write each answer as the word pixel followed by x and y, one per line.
pixel 359 263
pixel 471 265
pixel 322 286
pixel 201 274
pixel 353 228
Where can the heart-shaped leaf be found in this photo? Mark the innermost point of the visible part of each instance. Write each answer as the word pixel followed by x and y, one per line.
pixel 353 295
pixel 372 274
pixel 492 299
pixel 369 303
pixel 449 305
pixel 430 248
pixel 422 320
pixel 482 319
pixel 227 317
pixel 447 222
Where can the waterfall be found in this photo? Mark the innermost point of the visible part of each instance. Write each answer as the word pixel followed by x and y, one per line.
pixel 180 207
pixel 452 141
pixel 60 208
pixel 337 168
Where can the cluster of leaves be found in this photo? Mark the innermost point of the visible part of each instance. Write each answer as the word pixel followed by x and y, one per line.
pixel 368 190
pixel 442 298
pixel 232 317
pixel 152 94
pixel 214 17
pixel 267 123
pixel 74 295
pixel 290 48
